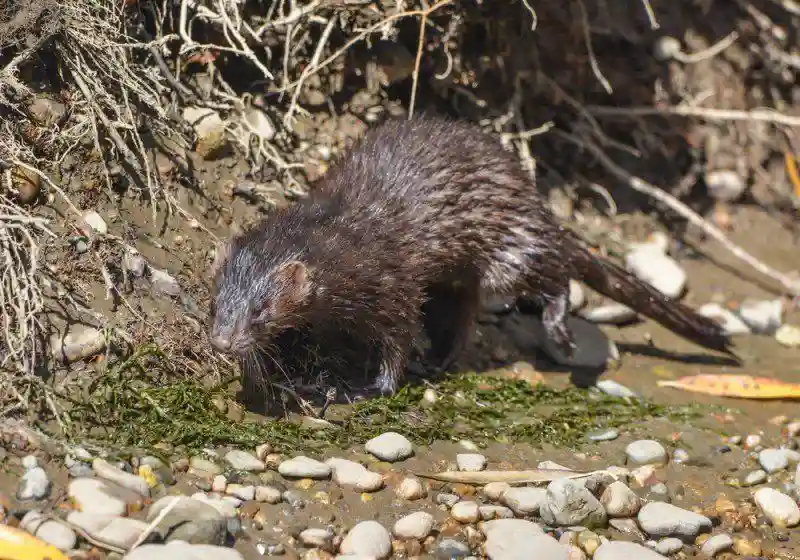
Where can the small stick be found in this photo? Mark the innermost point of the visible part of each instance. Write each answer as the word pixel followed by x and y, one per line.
pixel 790 285
pixel 758 115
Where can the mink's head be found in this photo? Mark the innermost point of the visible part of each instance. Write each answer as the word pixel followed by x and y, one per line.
pixel 257 295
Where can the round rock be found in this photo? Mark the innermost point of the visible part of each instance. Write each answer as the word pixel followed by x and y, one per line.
pixel 660 519
pixel 470 462
pixel 184 551
pixel 35 485
pixel 779 508
pixel 620 501
pixel 411 489
pixel 368 539
pixel 390 446
pixel 244 461
pixel 304 467
pixel 354 475
pixel 567 503
pixel 466 512
pixel 669 546
pixel 189 520
pixel 417 525
pixel 716 544
pixel 50 531
pixel 773 460
pixel 606 434
pixel 508 539
pixel 524 501
pixel 646 452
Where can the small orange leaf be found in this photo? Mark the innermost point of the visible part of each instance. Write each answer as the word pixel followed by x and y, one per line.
pixel 742 386
pixel 794 174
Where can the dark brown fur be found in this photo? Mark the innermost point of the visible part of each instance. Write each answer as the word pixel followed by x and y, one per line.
pixel 409 230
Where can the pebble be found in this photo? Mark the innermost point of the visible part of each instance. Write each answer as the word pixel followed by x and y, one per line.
pixel 731 323
pixel 763 317
pixel 789 336
pixel 95 221
pixel 495 490
pixel 263 450
pixel 411 489
pixel 716 544
pixel 779 508
pixel 390 446
pixel 752 441
pixel 95 496
pixel 465 512
pixel 210 130
pixel 627 527
pixel 524 501
pixel 244 461
pixel 184 551
pixel 658 269
pixel 660 519
pixel 510 538
pixel 226 506
pixel 105 470
pixel 80 470
pixel 610 314
pixel 30 462
pixel 80 342
pixel 470 462
pixel 567 503
pixel 773 460
pixel 268 494
pixel 258 123
pixel 646 452
pixel 417 525
pixel 724 184
pixel 611 387
pixel 190 520
pixel 219 483
pixel 163 283
pixel 161 469
pixel 120 532
pixel 354 475
pixel 205 466
pixel 451 549
pixel 605 434
pixel 49 530
pixel 797 475
pixel 495 512
pixel 447 499
pixel 620 501
pixel 304 467
pixel 320 538
pixel 244 493
pixel 668 546
pixel 680 456
pixel 369 539
pixel 35 485
pixel 621 550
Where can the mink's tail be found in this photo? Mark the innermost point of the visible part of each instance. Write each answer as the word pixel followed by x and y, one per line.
pixel 616 283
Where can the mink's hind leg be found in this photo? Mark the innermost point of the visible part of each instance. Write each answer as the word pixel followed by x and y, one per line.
pixel 448 316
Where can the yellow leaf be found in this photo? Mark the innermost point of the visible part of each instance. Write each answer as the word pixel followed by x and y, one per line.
pixel 16 544
pixel 742 386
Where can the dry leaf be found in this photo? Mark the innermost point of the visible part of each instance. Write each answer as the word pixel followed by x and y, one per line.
pixel 485 477
pixel 741 386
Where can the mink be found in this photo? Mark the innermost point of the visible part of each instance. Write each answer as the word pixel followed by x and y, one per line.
pixel 406 234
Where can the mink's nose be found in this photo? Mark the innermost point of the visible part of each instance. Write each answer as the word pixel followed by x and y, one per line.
pixel 221 342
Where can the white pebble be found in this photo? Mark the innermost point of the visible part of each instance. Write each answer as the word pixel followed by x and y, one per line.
pixel 244 493
pixel 731 323
pixel 524 501
pixel 577 297
pixel 184 551
pixel 120 532
pixel 79 342
pixel 611 387
pixel 320 538
pixel 304 467
pixel 752 441
pixel 30 462
pixel 466 512
pixel 354 475
pixel 104 469
pixel 470 462
pixel 95 496
pixel 244 461
pixel 268 494
pixel 417 525
pixel 797 476
pixel 95 222
pixel 411 489
pixel 495 490
pixel 516 538
pixel 219 483
pixel 755 477
pixel 668 546
pixel 35 485
pixel 263 450
pixel 622 550
pixel 495 512
pixel 390 447
pixel 773 460
pixel 368 539
pixel 779 508
pixel 620 501
pixel 659 519
pixel 724 184
pixel 657 269
pixel 50 531
pixel 789 336
pixel 610 314
pixel 716 544
pixel 763 317
pixel 646 452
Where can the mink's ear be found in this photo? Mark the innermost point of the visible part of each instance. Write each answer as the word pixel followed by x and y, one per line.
pixel 221 254
pixel 296 277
